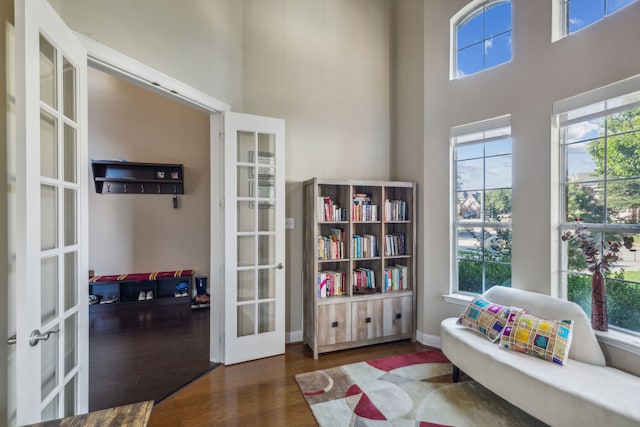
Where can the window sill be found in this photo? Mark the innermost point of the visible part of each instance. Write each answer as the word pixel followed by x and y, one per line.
pixel 458 299
pixel 627 342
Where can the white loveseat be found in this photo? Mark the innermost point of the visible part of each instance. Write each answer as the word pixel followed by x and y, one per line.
pixel 584 392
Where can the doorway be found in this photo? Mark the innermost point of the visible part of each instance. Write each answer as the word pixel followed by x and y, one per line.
pixel 144 350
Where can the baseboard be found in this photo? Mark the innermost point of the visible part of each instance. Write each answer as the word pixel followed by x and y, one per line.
pixel 428 339
pixel 294 336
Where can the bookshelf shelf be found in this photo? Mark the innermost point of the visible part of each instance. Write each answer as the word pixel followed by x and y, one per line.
pixel 367 221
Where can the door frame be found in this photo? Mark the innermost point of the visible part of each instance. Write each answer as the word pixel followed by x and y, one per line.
pixel 115 63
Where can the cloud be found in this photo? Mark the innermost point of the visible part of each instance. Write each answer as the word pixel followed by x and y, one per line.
pixel 581 130
pixel 488 44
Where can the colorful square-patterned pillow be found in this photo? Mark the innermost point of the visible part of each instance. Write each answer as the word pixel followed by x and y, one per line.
pixel 485 317
pixel 547 339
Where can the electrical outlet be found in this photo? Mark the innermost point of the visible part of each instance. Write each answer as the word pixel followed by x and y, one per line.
pixel 289 223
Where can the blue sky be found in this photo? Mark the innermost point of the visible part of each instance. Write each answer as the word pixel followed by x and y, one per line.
pixel 484 39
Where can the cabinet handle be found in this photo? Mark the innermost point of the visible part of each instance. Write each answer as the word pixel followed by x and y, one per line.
pixel 367 320
pixel 398 315
pixel 334 324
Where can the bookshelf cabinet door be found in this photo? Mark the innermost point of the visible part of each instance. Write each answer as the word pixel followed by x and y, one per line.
pixel 366 319
pixel 398 315
pixel 334 323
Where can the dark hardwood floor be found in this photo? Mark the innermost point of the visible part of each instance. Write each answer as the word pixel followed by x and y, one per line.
pixel 260 393
pixel 145 350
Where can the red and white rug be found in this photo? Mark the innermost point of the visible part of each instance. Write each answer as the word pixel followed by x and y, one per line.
pixel 412 389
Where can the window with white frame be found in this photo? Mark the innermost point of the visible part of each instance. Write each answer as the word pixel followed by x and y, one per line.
pixel 482 205
pixel 482 37
pixel 600 160
pixel 577 14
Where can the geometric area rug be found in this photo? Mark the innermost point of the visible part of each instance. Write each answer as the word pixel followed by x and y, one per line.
pixel 414 389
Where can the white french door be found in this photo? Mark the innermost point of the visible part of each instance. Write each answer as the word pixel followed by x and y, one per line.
pixel 50 229
pixel 254 237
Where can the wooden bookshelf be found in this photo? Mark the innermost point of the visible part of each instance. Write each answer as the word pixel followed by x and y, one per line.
pixel 358 233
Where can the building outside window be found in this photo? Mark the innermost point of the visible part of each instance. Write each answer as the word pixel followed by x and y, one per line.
pixel 482 38
pixel 482 205
pixel 600 159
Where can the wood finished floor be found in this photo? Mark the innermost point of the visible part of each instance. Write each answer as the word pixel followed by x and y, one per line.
pixel 262 392
pixel 144 350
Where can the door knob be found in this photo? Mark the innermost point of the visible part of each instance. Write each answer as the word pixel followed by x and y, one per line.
pixel 36 336
pixel 280 266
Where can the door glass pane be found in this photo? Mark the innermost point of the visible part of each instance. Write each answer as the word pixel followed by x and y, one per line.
pixel 246 216
pixel 70 150
pixel 246 320
pixel 70 344
pixel 246 182
pixel 50 412
pixel 266 250
pixel 48 73
pixel 70 226
pixel 246 285
pixel 49 361
pixel 69 89
pixel 70 398
pixel 48 146
pixel 266 316
pixel 266 217
pixel 266 148
pixel 246 147
pixel 70 279
pixel 48 217
pixel 266 283
pixel 246 251
pixel 49 289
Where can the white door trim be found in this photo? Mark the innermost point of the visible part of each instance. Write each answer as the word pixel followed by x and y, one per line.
pixel 106 59
pixel 113 62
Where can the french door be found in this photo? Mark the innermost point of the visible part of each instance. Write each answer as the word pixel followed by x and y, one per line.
pixel 254 237
pixel 50 229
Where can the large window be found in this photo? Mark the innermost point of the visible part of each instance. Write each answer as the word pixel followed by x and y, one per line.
pixel 577 14
pixel 600 148
pixel 482 205
pixel 482 38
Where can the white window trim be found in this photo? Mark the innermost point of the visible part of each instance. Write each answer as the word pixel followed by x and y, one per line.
pixel 453 34
pixel 559 11
pixel 615 337
pixel 455 296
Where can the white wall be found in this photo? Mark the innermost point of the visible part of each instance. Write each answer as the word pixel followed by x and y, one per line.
pixel 540 73
pixel 324 67
pixel 407 147
pixel 198 42
pixel 131 233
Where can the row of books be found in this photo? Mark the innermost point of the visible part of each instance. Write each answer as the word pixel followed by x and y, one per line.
pixel 362 209
pixel 395 244
pixel 395 210
pixel 396 278
pixel 331 246
pixel 364 277
pixel 331 283
pixel 327 210
pixel 364 246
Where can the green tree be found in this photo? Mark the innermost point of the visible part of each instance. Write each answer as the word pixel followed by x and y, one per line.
pixel 621 160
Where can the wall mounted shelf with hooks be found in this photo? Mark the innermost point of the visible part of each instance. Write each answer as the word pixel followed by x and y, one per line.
pixel 120 177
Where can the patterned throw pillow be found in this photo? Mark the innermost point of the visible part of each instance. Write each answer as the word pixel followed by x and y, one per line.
pixel 485 317
pixel 546 339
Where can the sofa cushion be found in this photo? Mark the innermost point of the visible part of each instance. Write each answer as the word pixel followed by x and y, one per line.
pixel 584 347
pixel 485 317
pixel 547 339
